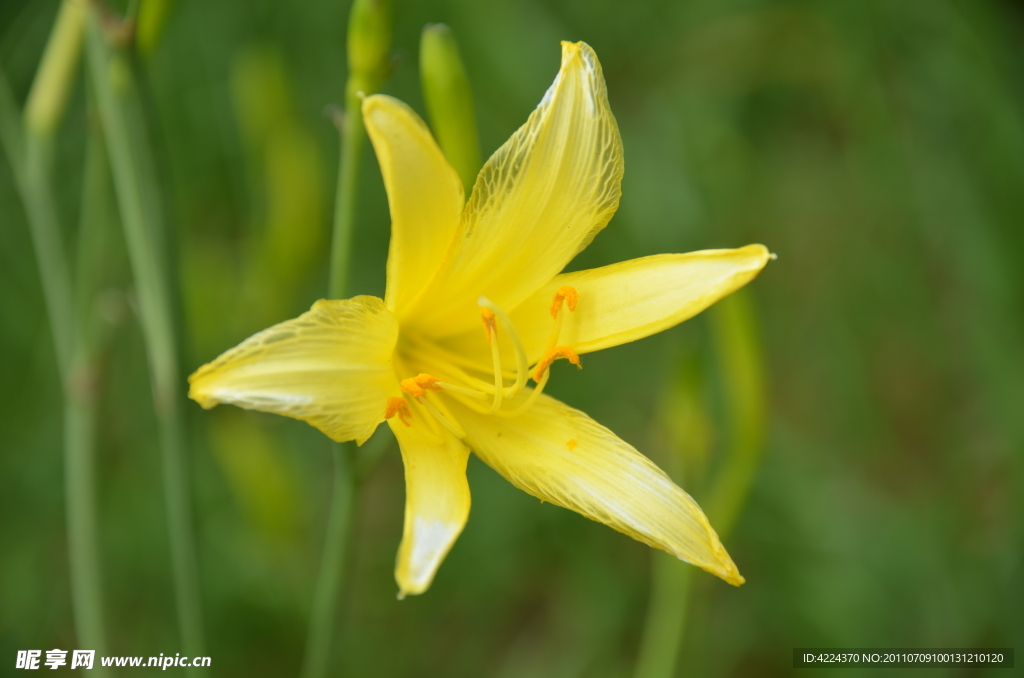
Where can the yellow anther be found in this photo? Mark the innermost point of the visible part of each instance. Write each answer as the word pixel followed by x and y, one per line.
pixel 567 294
pixel 553 355
pixel 571 444
pixel 418 386
pixel 400 407
pixel 490 326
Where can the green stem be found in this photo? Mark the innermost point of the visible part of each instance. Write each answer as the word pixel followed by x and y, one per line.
pixel 79 484
pixel 738 346
pixel 741 369
pixel 666 617
pixel 40 207
pixel 343 494
pixel 369 38
pixel 30 161
pixel 332 564
pixel 138 196
pixel 353 138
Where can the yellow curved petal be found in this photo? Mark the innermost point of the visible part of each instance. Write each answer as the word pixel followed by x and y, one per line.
pixel 634 299
pixel 436 498
pixel 424 194
pixel 538 201
pixel 561 455
pixel 330 367
pixel 623 302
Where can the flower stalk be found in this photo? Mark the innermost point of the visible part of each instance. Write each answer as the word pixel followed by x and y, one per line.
pixel 740 367
pixel 369 41
pixel 28 142
pixel 138 196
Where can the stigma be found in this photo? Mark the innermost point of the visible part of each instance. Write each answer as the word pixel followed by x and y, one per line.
pixel 492 316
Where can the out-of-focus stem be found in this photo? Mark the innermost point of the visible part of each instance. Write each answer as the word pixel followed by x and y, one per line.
pixel 353 138
pixel 737 344
pixel 31 163
pixel 741 370
pixel 369 39
pixel 332 563
pixel 28 157
pixel 138 195
pixel 52 85
pixel 685 428
pixel 666 617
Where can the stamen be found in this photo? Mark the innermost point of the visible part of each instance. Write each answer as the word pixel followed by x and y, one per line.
pixel 571 297
pixel 471 392
pixel 537 390
pixel 444 419
pixel 487 315
pixel 567 294
pixel 418 386
pixel 400 407
pixel 551 356
pixel 522 366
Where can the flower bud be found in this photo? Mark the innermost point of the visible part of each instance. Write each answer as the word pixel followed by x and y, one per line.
pixel 369 39
pixel 449 101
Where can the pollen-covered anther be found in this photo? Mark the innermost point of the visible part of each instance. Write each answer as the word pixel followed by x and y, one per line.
pixel 401 408
pixel 567 294
pixel 418 386
pixel 490 325
pixel 553 355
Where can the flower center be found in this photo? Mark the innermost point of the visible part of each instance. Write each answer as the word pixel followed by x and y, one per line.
pixel 421 387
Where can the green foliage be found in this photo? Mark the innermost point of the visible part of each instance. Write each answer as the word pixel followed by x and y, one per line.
pixel 876 146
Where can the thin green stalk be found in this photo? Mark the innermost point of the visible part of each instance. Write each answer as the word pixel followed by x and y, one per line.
pixel 332 563
pixel 738 346
pixel 369 40
pixel 353 139
pixel 685 423
pixel 741 370
pixel 30 159
pixel 665 624
pixel 138 195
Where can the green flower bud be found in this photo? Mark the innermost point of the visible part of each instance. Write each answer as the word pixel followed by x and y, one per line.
pixel 449 101
pixel 369 39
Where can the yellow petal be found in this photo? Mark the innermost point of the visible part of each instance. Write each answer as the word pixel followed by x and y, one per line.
pixel 436 498
pixel 330 367
pixel 634 299
pixel 623 302
pixel 424 194
pixel 538 201
pixel 561 455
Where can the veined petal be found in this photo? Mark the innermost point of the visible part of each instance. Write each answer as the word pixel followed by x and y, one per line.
pixel 561 455
pixel 624 302
pixel 330 367
pixel 634 299
pixel 424 194
pixel 538 201
pixel 436 498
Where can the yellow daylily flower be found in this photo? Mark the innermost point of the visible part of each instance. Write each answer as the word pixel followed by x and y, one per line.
pixel 421 360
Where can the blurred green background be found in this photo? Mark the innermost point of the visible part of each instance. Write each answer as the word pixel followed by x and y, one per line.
pixel 876 146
